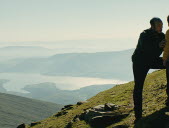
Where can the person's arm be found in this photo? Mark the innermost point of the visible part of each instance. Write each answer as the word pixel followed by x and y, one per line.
pixel 166 48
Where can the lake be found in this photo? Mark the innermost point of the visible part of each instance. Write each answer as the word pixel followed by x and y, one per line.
pixel 20 80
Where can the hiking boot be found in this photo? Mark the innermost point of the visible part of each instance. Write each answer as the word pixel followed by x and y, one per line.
pixel 138 116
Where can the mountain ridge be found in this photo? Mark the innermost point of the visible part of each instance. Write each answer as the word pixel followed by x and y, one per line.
pixel 86 65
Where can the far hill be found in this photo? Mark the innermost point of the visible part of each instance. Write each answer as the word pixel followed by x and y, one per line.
pixel 11 52
pixel 15 110
pixel 49 92
pixel 111 65
pixel 155 114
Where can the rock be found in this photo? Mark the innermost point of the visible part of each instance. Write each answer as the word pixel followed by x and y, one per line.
pixel 86 109
pixel 81 102
pixel 82 116
pixel 106 107
pixel 89 114
pixel 60 113
pixel 104 121
pixel 34 123
pixel 22 126
pixel 67 107
pixel 76 118
pixel 101 121
pixel 98 108
pixel 69 125
pixel 110 107
pixel 101 116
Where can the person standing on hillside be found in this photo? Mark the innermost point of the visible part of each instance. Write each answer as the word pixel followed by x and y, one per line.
pixel 147 56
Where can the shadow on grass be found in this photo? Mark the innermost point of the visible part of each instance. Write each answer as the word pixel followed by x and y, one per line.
pixel 107 120
pixel 158 119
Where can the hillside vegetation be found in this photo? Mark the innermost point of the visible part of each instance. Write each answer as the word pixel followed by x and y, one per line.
pixel 155 114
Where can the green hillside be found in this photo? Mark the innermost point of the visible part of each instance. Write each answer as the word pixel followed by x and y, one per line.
pixel 154 109
pixel 15 110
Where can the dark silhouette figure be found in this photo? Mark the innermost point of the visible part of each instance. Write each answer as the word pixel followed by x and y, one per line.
pixel 147 56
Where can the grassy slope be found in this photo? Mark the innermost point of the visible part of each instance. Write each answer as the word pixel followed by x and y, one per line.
pixel 154 96
pixel 15 110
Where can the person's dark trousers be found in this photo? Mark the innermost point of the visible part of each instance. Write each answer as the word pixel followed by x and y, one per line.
pixel 140 70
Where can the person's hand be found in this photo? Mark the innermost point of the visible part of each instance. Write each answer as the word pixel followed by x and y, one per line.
pixel 164 62
pixel 162 43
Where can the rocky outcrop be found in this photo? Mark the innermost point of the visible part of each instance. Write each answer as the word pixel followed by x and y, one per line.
pixel 25 126
pixel 81 102
pixel 63 112
pixel 34 123
pixel 22 126
pixel 105 120
pixel 67 107
pixel 100 116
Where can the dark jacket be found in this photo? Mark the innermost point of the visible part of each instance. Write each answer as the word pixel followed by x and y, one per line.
pixel 148 48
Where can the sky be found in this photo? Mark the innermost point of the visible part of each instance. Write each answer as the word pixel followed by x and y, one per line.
pixel 106 24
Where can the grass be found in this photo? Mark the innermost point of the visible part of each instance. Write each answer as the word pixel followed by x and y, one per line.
pixel 154 96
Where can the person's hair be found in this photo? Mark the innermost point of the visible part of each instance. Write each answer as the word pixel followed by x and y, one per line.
pixel 168 18
pixel 154 20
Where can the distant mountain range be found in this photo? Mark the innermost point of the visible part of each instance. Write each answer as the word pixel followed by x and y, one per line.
pixel 115 65
pixel 12 52
pixel 111 65
pixel 15 110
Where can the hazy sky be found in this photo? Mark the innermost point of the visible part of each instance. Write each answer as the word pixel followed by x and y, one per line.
pixel 45 21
